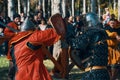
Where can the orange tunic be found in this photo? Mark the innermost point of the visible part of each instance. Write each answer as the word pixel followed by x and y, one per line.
pixel 114 53
pixel 30 62
pixel 8 32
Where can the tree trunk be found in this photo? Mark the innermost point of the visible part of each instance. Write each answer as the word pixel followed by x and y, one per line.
pixel 11 9
pixel 64 8
pixel 43 6
pixel 93 6
pixel 99 10
pixel 49 8
pixel 118 10
pixel 73 7
pixel 88 6
pixel 109 2
pixel 79 8
pixel 28 7
pixel 114 7
pixel 56 6
pixel 19 7
pixel 25 6
pixel 84 6
pixel 40 2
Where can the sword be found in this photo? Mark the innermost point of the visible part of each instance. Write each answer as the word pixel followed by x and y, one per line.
pixel 10 28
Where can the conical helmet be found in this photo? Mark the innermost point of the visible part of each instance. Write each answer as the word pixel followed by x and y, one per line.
pixel 92 19
pixel 27 25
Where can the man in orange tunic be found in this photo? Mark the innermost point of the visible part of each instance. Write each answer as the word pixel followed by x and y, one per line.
pixel 14 24
pixel 113 48
pixel 27 52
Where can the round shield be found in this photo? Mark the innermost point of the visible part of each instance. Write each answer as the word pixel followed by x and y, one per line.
pixel 58 23
pixel 75 57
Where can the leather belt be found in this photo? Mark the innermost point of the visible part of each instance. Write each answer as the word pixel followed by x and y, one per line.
pixel 95 68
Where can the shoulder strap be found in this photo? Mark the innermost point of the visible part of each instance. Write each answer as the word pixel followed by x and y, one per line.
pixel 33 47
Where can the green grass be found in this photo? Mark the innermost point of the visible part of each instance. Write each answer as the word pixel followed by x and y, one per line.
pixel 4 63
pixel 75 73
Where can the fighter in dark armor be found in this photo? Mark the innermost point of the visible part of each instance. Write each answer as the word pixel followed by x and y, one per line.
pixel 93 50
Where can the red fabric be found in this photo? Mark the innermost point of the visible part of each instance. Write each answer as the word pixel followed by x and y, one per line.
pixel 30 62
pixel 8 32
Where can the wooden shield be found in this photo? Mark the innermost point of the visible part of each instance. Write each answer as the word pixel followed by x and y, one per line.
pixel 75 57
pixel 58 23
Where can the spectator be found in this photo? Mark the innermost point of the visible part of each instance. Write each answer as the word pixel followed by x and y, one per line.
pixel 113 46
pixel 106 16
pixel 22 16
pixel 43 25
pixel 14 24
pixel 78 24
pixel 35 19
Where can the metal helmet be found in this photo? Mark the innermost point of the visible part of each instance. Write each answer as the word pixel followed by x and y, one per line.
pixel 92 19
pixel 27 25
